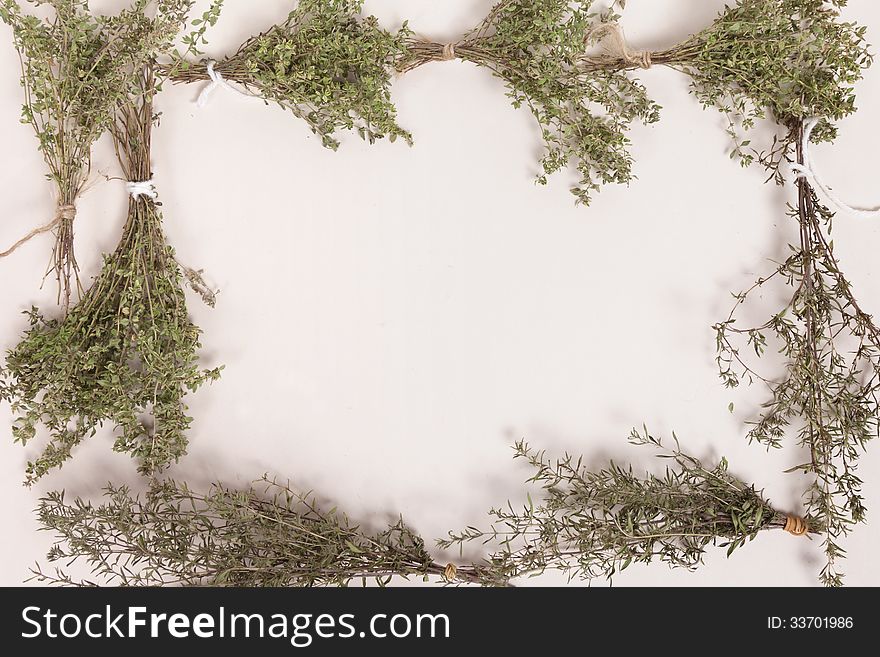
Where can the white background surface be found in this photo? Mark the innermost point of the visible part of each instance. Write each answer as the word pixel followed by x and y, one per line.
pixel 392 319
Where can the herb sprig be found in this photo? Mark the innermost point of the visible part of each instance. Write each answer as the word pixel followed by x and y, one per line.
pixel 788 60
pixel 540 49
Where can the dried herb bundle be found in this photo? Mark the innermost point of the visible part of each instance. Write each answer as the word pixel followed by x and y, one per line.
pixel 330 66
pixel 540 49
pixel 127 353
pixel 828 394
pixel 267 535
pixel 791 58
pixel 326 63
pixel 77 68
pixel 595 524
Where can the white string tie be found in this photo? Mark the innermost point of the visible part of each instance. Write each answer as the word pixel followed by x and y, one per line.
pixel 808 171
pixel 144 188
pixel 217 80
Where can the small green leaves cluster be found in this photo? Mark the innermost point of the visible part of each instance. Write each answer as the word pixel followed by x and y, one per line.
pixel 127 354
pixel 538 48
pixel 77 68
pixel 593 524
pixel 829 395
pixel 789 59
pixel 326 63
pixel 265 535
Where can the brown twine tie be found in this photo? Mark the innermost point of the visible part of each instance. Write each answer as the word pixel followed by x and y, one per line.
pixel 450 573
pixel 614 41
pixel 448 53
pixel 795 525
pixel 64 213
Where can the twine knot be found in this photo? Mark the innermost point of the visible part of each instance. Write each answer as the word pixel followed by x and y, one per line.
pixel 66 213
pixel 143 188
pixel 615 45
pixel 450 573
pixel 63 214
pixel 217 80
pixel 795 525
pixel 448 53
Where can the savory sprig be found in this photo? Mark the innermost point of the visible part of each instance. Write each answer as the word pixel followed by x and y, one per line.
pixel 268 534
pixel 596 523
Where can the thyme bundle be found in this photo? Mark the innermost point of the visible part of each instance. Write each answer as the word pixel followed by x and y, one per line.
pixel 829 391
pixel 77 68
pixel 540 48
pixel 127 353
pixel 787 59
pixel 597 523
pixel 266 535
pixel 327 64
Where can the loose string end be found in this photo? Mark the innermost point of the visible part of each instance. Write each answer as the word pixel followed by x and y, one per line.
pixel 142 188
pixel 216 80
pixel 613 39
pixel 65 213
pixel 808 171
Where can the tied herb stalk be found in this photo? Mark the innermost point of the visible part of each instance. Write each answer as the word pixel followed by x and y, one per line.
pixel 828 393
pixel 266 535
pixel 77 68
pixel 326 63
pixel 127 353
pixel 597 523
pixel 540 49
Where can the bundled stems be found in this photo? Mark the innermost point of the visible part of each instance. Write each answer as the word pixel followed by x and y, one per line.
pixel 76 68
pixel 326 64
pixel 596 523
pixel 788 59
pixel 541 49
pixel 842 413
pixel 127 353
pixel 266 535
pixel 590 524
